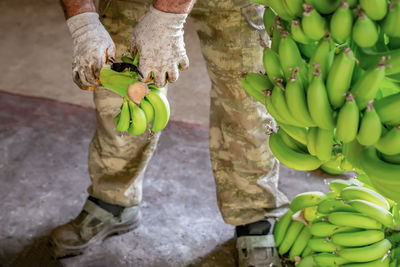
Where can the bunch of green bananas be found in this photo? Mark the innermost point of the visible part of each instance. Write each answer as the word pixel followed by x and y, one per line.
pixel 332 83
pixel 153 108
pixel 349 226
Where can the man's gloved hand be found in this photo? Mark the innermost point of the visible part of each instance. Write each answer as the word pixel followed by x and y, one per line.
pixel 93 47
pixel 158 37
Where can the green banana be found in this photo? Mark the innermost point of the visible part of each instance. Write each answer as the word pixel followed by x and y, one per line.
pixel 351 151
pixel 298 33
pixel 324 144
pixel 352 219
pixel 358 239
pixel 290 237
pixel 390 142
pixel 366 253
pixel 365 31
pixel 138 120
pixel 318 103
pixel 324 229
pixel 332 205
pixel 290 142
pixel 307 261
pixel 297 133
pixel 381 262
pixel 116 118
pixel 161 109
pixel 289 55
pixel 276 36
pixel 148 110
pixel 375 9
pixel 257 95
pixel 347 121
pixel 369 57
pixel 374 167
pixel 290 157
pixel 272 65
pixel 307 50
pixel 312 140
pixel 294 7
pixel 395 159
pixel 373 211
pixel 314 26
pixel 278 100
pixel 325 6
pixel 333 166
pixel 271 109
pixel 307 251
pixel 259 81
pixel 339 184
pixel 346 166
pixel 329 259
pixel 370 127
pixel 342 23
pixel 322 58
pixel 388 109
pixel 269 20
pixel 323 245
pixel 296 101
pixel 339 77
pixel 391 22
pixel 362 193
pixel 281 227
pixel 300 243
pixel 367 86
pixel 124 119
pixel 393 263
pixel 280 9
pixel 305 200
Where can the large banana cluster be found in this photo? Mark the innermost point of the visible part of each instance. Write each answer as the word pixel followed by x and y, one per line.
pixel 349 226
pixel 332 82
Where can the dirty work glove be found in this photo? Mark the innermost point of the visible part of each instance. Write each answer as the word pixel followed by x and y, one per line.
pixel 93 47
pixel 158 37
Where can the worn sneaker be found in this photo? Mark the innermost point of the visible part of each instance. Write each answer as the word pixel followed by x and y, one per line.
pixel 256 248
pixel 97 221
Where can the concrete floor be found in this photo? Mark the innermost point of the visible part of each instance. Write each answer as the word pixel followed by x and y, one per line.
pixel 43 166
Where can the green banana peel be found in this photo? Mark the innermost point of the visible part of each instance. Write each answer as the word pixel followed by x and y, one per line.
pixel 117 82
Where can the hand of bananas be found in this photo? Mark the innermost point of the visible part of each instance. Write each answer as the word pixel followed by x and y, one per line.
pixel 349 226
pixel 143 103
pixel 332 82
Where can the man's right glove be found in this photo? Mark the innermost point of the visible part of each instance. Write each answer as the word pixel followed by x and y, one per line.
pixel 158 37
pixel 93 47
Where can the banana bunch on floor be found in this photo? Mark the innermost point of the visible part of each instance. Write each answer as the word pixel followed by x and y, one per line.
pixel 142 103
pixel 332 83
pixel 350 226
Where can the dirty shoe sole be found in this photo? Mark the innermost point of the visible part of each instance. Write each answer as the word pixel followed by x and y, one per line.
pixel 63 251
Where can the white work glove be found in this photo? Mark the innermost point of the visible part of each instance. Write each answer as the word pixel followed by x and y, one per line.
pixel 93 47
pixel 158 37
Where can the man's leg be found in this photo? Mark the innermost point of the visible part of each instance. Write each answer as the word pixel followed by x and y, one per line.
pixel 117 161
pixel 245 171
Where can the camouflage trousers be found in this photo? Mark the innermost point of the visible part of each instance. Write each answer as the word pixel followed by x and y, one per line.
pixel 245 171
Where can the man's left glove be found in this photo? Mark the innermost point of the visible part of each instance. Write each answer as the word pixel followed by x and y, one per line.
pixel 93 47
pixel 158 37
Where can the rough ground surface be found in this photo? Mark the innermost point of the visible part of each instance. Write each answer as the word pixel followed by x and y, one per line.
pixel 43 181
